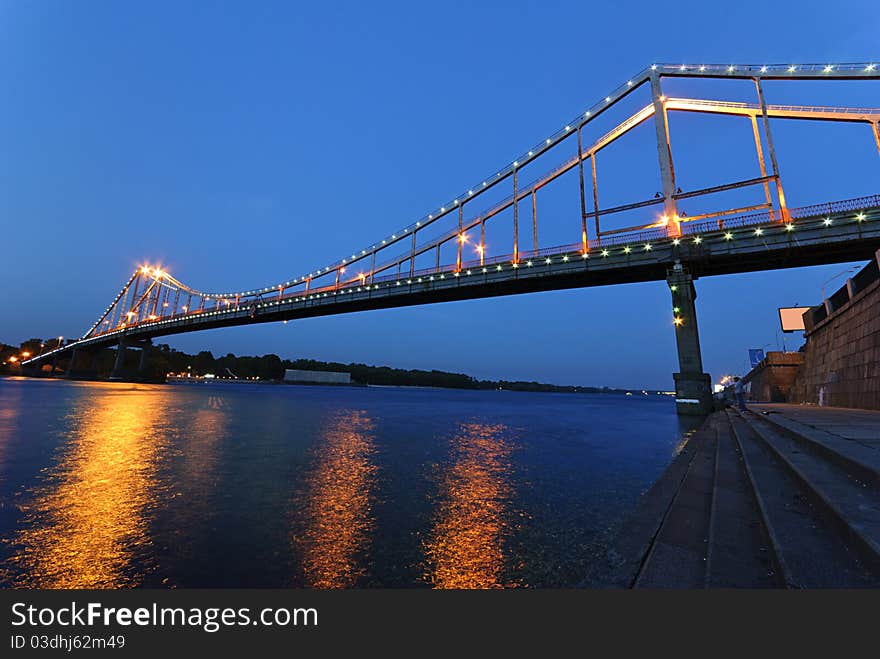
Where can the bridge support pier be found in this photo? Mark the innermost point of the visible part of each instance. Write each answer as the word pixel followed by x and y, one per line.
pixel 71 367
pixel 145 357
pixel 693 392
pixel 119 364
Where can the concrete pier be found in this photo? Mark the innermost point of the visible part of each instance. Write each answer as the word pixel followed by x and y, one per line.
pixel 119 364
pixel 144 363
pixel 693 391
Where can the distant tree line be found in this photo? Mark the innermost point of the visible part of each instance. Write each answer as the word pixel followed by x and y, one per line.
pixel 166 360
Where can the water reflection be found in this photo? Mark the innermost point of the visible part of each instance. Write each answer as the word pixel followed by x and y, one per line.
pixel 84 526
pixel 473 515
pixel 10 402
pixel 338 503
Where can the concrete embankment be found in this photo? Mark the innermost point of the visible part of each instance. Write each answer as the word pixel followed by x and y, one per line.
pixel 776 497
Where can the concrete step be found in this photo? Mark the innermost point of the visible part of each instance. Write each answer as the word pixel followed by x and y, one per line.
pixel 808 550
pixel 859 460
pixel 740 553
pixel 677 555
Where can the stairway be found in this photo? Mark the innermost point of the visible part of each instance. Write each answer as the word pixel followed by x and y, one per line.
pixel 760 505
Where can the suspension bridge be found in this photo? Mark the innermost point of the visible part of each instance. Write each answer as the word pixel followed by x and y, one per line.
pixel 669 244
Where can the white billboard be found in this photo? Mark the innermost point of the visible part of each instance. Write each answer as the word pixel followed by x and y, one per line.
pixel 792 318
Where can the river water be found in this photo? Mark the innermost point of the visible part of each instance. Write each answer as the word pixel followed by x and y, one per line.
pixel 234 485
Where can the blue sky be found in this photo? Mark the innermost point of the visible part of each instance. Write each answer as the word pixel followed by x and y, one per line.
pixel 239 144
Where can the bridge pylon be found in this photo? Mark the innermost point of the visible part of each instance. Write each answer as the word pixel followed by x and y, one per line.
pixel 693 391
pixel 119 365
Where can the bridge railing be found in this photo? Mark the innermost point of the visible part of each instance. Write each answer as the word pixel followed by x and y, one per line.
pixel 644 236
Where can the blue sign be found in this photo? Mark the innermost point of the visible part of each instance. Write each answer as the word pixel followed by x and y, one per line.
pixel 756 356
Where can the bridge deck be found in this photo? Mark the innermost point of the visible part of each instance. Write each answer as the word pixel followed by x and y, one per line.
pixel 846 231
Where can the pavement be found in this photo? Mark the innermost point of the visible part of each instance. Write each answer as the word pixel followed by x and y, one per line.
pixel 862 426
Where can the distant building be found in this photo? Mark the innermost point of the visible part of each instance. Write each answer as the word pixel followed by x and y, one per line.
pixel 316 377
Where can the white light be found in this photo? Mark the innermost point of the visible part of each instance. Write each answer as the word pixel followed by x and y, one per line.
pixel 547 140
pixel 759 231
pixel 442 209
pixel 702 68
pixel 682 67
pixel 828 69
pixel 604 252
pixel 498 268
pixel 626 250
pixel 585 255
pixel 548 261
pixel 763 69
pixel 568 128
pixel 698 240
pixel 789 227
pixel 530 153
pixel 676 241
pixel 647 247
pixel 607 99
pixel 515 163
pixel 653 67
pixel 792 69
pixel 565 258
pixel 629 83
pixel 728 236
pixel 731 69
pixel 470 192
pixel 860 217
pixel 870 67
pixel 587 113
pixel 529 263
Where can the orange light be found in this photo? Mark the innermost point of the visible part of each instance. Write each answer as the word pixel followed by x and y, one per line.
pixel 479 248
pixel 25 354
pixel 462 237
pixel 678 320
pixel 13 359
pixel 184 308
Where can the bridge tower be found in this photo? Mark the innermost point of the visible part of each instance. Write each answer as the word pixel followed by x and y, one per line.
pixel 693 392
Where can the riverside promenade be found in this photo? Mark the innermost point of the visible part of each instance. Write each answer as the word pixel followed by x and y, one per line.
pixel 781 496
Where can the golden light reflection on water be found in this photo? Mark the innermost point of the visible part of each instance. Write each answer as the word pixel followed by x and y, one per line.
pixel 472 518
pixel 10 398
pixel 206 430
pixel 86 523
pixel 338 503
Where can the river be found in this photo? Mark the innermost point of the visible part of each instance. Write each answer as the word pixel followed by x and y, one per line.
pixel 106 485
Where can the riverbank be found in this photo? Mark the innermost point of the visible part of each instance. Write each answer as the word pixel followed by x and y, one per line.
pixel 780 496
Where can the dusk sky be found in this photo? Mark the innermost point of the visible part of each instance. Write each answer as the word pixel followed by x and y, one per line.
pixel 242 144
